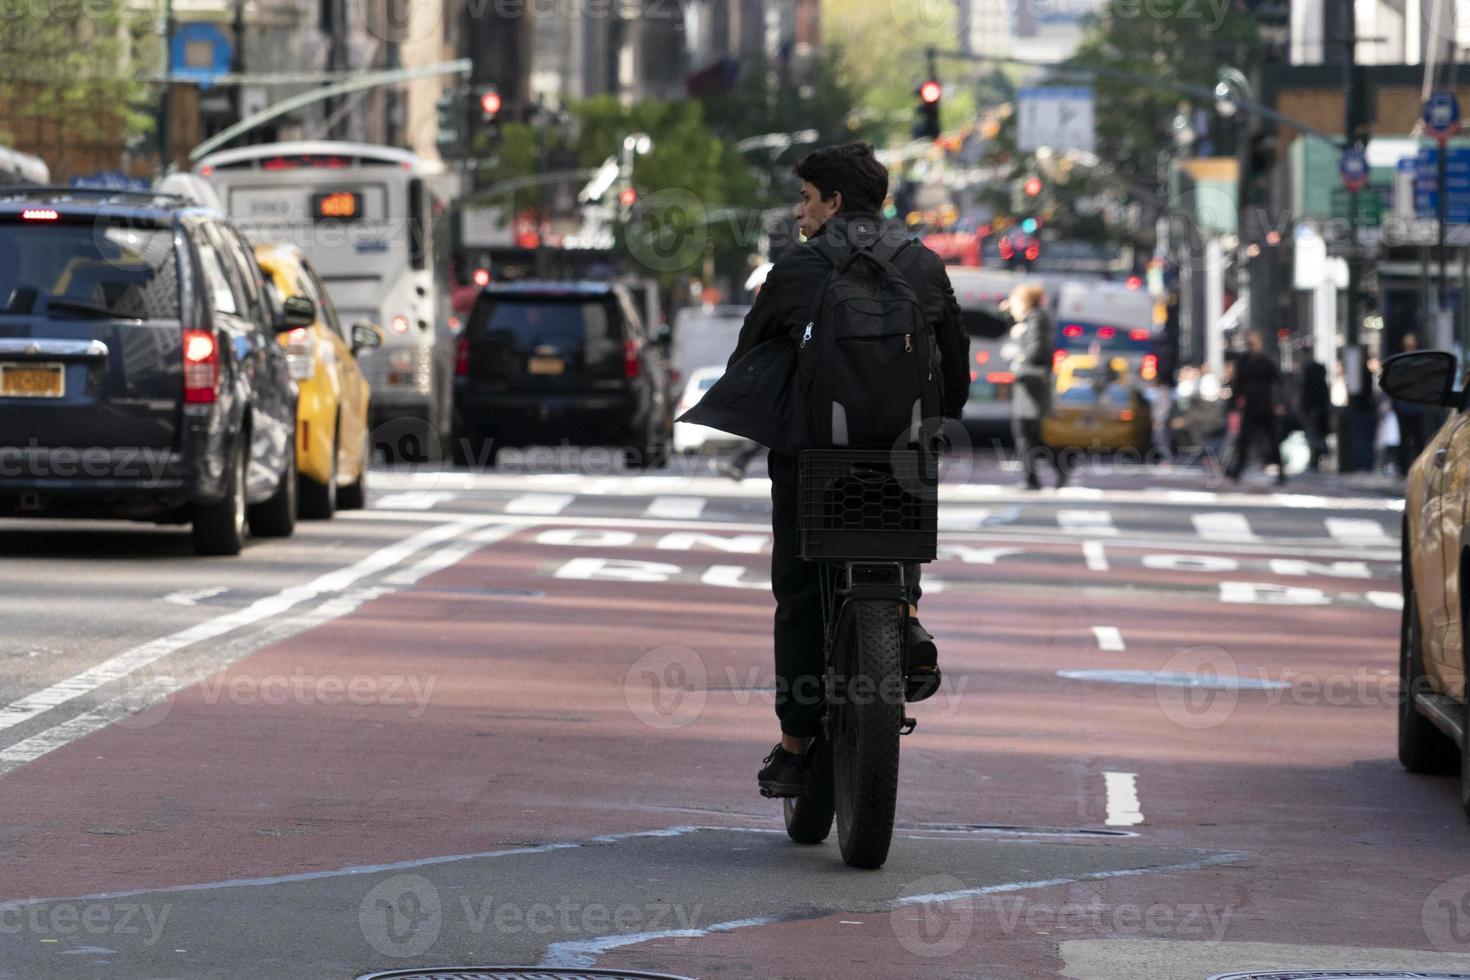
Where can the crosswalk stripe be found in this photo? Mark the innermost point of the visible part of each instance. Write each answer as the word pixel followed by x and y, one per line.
pixel 414 500
pixel 676 508
pixel 1223 527
pixel 1086 521
pixel 1350 530
pixel 962 518
pixel 546 504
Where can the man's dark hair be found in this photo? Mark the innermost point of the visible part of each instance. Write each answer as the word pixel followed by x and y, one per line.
pixel 850 169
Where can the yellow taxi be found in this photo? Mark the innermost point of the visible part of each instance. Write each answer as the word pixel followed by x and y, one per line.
pixel 1434 710
pixel 333 435
pixel 1096 409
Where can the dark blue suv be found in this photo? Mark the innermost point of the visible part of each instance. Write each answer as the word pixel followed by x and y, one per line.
pixel 140 372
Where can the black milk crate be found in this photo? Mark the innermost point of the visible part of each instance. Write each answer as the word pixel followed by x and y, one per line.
pixel 874 505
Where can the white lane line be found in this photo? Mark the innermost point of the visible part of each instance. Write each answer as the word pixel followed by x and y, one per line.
pixel 544 504
pixel 451 554
pixel 1226 526
pixel 419 500
pixel 1097 558
pixel 962 518
pixel 192 597
pixel 1349 530
pixel 1124 810
pixel 1086 521
pixel 119 666
pixel 676 508
pixel 1108 638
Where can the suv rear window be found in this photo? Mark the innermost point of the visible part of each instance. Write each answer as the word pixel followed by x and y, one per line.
pixel 97 269
pixel 584 331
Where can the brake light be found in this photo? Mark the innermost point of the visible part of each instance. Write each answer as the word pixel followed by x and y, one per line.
pixel 1106 333
pixel 39 214
pixel 1150 369
pixel 982 357
pixel 1126 415
pixel 1000 377
pixel 400 324
pixel 973 376
pixel 201 367
pixel 1033 252
pixel 1139 336
pixel 631 367
pixel 298 354
pixel 1071 330
pixel 482 277
pixel 462 358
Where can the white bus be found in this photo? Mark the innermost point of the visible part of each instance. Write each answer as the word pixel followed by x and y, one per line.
pixel 363 215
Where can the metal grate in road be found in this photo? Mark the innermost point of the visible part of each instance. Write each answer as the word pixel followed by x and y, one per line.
pixel 516 973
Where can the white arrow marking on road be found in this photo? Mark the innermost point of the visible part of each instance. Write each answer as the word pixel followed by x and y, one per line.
pixel 1097 558
pixel 1124 810
pixel 1108 638
pixel 1223 527
pixel 1086 521
pixel 676 508
pixel 545 504
pixel 194 596
pixel 414 500
pixel 1351 530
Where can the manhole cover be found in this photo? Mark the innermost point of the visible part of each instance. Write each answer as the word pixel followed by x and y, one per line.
pixel 1342 975
pixel 515 973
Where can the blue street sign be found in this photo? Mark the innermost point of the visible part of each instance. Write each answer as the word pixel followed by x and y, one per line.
pixel 1457 183
pixel 200 53
pixel 1442 114
pixel 1354 168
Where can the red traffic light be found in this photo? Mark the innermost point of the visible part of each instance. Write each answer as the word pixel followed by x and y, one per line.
pixel 930 91
pixel 490 103
pixel 1032 187
pixel 628 196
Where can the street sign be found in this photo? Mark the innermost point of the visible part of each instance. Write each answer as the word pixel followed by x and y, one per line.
pixel 1370 205
pixel 1354 168
pixel 1457 183
pixel 1442 115
pixel 1059 117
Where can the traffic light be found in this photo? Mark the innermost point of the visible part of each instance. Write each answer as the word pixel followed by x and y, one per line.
pixel 450 128
pixel 1032 187
pixel 627 197
pixel 490 104
pixel 1029 226
pixel 926 114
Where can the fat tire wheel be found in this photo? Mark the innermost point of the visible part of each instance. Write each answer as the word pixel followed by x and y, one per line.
pixel 319 501
pixel 276 517
pixel 219 528
pixel 354 495
pixel 809 816
pixel 1423 748
pixel 867 715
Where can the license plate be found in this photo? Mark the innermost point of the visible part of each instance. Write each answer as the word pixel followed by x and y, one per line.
pixel 32 380
pixel 546 365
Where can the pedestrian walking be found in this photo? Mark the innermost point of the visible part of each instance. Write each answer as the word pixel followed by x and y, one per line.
pixel 1255 402
pixel 1030 352
pixel 1316 410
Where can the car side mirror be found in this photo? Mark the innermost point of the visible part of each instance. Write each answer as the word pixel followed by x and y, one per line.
pixel 366 336
pixel 1426 377
pixel 299 311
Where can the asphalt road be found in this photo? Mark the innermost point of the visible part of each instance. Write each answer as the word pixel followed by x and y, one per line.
pixel 514 718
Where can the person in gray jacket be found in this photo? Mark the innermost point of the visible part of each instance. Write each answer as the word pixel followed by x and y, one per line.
pixel 1030 351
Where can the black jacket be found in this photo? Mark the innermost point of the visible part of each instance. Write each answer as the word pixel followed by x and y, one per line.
pixel 754 398
pixel 1031 397
pixel 1255 386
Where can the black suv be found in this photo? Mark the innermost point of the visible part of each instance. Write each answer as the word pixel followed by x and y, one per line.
pixel 140 372
pixel 560 362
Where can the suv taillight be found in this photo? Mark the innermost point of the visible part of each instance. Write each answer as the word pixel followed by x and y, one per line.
pixel 298 354
pixel 462 358
pixel 201 367
pixel 631 366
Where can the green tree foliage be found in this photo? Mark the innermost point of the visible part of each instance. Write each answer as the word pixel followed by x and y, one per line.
pixel 76 62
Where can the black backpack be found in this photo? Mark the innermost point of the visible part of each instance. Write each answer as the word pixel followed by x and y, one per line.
pixel 868 362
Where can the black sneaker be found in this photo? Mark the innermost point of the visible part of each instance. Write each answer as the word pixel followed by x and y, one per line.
pixel 784 774
pixel 923 677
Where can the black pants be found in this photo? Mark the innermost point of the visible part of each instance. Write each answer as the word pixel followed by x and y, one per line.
pixel 1255 429
pixel 1411 437
pixel 797 586
pixel 1030 449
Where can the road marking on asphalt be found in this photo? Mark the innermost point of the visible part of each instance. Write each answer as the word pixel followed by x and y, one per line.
pixel 419 500
pixel 544 504
pixel 1223 527
pixel 451 554
pixel 1124 810
pixel 1351 530
pixel 1108 638
pixel 1086 521
pixel 962 518
pixel 192 597
pixel 676 508
pixel 1097 558
pixel 119 666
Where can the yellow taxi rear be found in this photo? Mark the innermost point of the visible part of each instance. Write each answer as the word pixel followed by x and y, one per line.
pixel 333 434
pixel 1096 410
